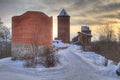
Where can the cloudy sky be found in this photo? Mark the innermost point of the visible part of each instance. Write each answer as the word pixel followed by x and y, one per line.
pixel 83 12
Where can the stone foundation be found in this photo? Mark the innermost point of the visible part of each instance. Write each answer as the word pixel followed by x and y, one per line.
pixel 20 51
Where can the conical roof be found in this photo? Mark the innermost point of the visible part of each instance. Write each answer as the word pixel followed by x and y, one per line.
pixel 63 13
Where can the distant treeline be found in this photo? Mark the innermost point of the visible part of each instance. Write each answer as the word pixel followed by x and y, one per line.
pixel 5 49
pixel 108 44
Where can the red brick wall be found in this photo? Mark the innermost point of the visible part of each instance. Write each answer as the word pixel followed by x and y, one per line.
pixel 32 27
pixel 64 28
pixel 87 39
pixel 75 39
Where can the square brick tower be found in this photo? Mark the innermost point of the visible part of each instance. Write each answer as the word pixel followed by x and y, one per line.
pixel 30 31
pixel 85 37
pixel 64 26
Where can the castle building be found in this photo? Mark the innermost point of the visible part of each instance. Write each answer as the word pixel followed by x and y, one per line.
pixel 63 26
pixel 28 30
pixel 83 37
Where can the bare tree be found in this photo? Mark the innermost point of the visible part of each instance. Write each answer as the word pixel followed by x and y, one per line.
pixel 107 44
pixel 107 33
pixel 32 58
pixel 35 46
pixel 44 55
pixel 118 34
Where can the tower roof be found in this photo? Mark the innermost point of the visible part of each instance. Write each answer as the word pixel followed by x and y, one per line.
pixel 63 13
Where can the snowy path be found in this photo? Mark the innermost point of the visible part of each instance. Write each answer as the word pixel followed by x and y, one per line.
pixel 74 69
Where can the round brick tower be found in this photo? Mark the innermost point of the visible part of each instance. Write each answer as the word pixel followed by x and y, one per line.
pixel 64 26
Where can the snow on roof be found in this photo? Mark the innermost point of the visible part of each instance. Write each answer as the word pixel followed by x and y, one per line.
pixel 86 34
pixel 63 13
pixel 85 28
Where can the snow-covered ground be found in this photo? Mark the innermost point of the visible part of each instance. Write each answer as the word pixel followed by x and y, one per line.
pixel 59 43
pixel 75 65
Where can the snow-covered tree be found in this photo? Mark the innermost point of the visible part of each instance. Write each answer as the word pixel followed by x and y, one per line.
pixel 5 45
pixel 4 32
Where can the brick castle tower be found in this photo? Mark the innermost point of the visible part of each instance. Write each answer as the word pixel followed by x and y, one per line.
pixel 86 35
pixel 83 38
pixel 30 30
pixel 64 26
